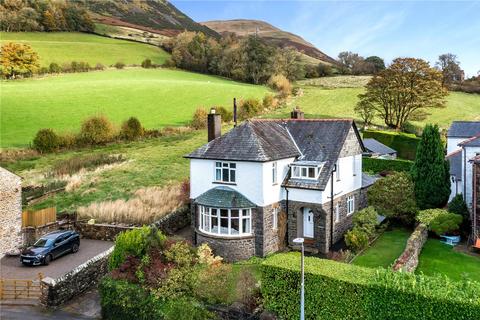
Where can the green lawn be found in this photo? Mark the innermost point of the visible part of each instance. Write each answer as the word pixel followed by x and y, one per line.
pixel 61 47
pixel 439 258
pixel 385 250
pixel 158 97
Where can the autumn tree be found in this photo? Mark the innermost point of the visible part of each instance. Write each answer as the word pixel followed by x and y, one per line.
pixel 287 61
pixel 348 60
pixel 375 64
pixel 450 67
pixel 17 60
pixel 404 91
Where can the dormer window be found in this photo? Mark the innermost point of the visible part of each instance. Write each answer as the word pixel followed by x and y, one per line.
pixel 306 171
pixel 225 172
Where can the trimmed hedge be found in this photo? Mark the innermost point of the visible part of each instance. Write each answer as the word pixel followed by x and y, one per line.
pixel 376 165
pixel 335 290
pixel 404 143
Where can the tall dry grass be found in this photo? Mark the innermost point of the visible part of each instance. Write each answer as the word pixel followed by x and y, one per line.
pixel 147 205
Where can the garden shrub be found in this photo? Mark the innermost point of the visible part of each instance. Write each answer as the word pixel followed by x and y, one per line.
pixel 280 83
pixel 46 140
pixel 186 309
pixel 405 144
pixel 356 239
pixel 131 129
pixel 212 283
pixel 119 65
pixel 336 290
pixel 180 253
pixel 269 102
pixel 199 120
pixel 248 290
pixel 366 220
pixel 376 165
pixel 99 66
pixel 43 70
pixel 226 115
pixel 67 140
pixel 458 206
pixel 54 68
pixel 96 130
pixel 147 64
pixel 440 221
pixel 134 242
pixel 249 108
pixel 394 197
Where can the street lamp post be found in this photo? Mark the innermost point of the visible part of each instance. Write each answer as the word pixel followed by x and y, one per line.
pixel 302 285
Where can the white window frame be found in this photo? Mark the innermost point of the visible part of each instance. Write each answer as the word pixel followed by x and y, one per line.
pixel 337 170
pixel 207 215
pixel 354 165
pixel 350 205
pixel 303 172
pixel 274 172
pixel 275 219
pixel 220 166
pixel 337 212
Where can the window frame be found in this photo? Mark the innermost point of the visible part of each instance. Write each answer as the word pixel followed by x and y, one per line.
pixel 211 217
pixel 219 168
pixel 297 172
pixel 337 212
pixel 274 173
pixel 354 165
pixel 275 219
pixel 350 205
pixel 337 170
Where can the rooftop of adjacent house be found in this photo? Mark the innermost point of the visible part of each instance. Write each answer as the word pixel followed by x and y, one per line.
pixel 375 146
pixel 455 159
pixel 464 129
pixel 471 142
pixel 261 140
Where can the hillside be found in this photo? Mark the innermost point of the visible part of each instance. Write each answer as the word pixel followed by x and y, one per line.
pixel 271 34
pixel 156 16
pixel 158 97
pixel 65 47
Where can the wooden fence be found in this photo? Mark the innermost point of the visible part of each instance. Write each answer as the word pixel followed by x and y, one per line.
pixel 39 218
pixel 11 289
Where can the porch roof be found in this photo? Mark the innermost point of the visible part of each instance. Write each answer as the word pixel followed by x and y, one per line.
pixel 224 197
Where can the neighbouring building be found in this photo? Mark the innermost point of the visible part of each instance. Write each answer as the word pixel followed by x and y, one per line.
pixel 376 149
pixel 10 211
pixel 266 182
pixel 463 151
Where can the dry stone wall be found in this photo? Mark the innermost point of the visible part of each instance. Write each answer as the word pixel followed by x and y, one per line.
pixel 10 211
pixel 408 260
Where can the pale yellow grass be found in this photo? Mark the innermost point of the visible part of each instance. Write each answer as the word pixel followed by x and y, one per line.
pixel 147 205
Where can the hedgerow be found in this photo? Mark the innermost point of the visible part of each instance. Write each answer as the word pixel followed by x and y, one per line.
pixel 404 143
pixel 336 290
pixel 376 165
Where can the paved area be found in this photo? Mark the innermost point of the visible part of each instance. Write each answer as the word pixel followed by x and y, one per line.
pixel 85 306
pixel 11 268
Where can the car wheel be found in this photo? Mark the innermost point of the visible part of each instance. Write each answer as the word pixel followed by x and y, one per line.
pixel 47 260
pixel 74 248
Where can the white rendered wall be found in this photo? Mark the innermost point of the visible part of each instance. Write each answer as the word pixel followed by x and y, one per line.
pixel 452 144
pixel 348 180
pixel 467 169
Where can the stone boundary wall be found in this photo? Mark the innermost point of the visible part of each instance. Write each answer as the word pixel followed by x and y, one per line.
pixel 98 231
pixel 174 221
pixel 54 292
pixel 408 260
pixel 31 234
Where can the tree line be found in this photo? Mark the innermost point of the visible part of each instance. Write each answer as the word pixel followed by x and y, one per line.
pixel 44 15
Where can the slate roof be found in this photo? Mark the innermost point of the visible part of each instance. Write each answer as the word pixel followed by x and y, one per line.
pixel 224 197
pixel 375 146
pixel 261 140
pixel 455 159
pixel 368 180
pixel 464 129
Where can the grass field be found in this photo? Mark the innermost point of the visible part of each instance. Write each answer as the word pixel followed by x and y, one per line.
pixel 385 250
pixel 61 47
pixel 158 97
pixel 439 258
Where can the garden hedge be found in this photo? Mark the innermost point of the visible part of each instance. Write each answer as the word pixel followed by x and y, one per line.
pixel 335 290
pixel 376 165
pixel 404 143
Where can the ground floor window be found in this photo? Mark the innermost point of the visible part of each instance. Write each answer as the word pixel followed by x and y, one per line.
pixel 337 212
pixel 350 204
pixel 229 222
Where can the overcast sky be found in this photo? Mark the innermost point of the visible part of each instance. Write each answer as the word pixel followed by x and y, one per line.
pixel 423 29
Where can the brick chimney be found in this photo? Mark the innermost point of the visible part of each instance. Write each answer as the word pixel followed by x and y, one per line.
pixel 214 125
pixel 297 114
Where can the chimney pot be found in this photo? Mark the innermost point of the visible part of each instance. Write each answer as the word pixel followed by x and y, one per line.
pixel 297 114
pixel 214 125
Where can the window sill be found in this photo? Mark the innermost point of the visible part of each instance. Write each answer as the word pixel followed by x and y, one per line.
pixel 224 236
pixel 227 183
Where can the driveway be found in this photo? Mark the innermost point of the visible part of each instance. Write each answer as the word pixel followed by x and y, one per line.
pixel 11 268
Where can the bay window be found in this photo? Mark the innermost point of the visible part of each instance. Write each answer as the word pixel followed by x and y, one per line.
pixel 225 171
pixel 227 222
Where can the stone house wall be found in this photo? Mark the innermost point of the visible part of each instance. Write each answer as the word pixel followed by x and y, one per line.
pixel 10 211
pixel 54 292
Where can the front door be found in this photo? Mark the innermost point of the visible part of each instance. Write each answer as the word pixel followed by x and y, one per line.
pixel 307 223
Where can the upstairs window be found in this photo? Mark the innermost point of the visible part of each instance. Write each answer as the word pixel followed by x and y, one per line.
pixel 354 165
pixel 274 172
pixel 337 170
pixel 303 172
pixel 225 172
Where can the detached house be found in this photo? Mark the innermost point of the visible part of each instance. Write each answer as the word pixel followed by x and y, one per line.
pixel 266 182
pixel 463 153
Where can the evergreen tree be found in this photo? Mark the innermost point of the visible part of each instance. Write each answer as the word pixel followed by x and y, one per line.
pixel 430 171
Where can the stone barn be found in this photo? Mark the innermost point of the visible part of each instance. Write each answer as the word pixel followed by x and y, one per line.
pixel 10 211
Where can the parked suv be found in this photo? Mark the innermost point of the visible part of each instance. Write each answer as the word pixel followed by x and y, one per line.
pixel 51 246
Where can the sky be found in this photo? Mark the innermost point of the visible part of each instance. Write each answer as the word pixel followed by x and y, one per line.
pixel 389 29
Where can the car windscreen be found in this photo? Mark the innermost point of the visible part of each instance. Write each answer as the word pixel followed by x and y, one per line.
pixel 42 242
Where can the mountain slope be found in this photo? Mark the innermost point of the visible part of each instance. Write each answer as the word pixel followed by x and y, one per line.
pixel 158 16
pixel 273 35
